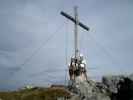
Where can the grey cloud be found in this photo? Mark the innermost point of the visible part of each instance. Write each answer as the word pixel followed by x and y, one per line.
pixel 25 24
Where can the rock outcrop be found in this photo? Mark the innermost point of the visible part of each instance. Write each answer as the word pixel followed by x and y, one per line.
pixel 111 88
pixel 90 90
pixel 120 87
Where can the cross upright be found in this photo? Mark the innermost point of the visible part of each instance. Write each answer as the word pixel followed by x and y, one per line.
pixel 77 68
pixel 76 22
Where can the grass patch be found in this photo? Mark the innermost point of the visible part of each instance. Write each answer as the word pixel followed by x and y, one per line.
pixel 36 94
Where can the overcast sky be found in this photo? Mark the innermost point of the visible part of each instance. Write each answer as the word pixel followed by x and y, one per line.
pixel 34 37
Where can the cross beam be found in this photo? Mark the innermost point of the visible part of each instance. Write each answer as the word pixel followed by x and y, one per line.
pixel 73 20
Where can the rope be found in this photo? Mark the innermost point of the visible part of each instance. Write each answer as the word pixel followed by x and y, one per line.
pixel 44 43
pixel 39 48
pixel 104 50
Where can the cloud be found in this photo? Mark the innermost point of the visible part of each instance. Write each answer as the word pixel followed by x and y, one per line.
pixel 25 25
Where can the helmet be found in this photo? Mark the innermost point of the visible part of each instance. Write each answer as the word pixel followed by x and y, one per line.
pixel 84 61
pixel 81 57
pixel 82 65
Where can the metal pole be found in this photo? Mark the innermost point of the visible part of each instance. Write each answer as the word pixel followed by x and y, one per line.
pixel 76 32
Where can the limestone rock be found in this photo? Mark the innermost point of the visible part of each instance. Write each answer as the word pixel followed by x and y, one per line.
pixel 88 90
pixel 111 88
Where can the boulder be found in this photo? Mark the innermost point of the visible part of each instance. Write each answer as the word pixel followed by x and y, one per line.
pixel 118 87
pixel 89 90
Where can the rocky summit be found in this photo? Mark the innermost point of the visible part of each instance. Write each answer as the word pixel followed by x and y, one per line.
pixel 110 88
